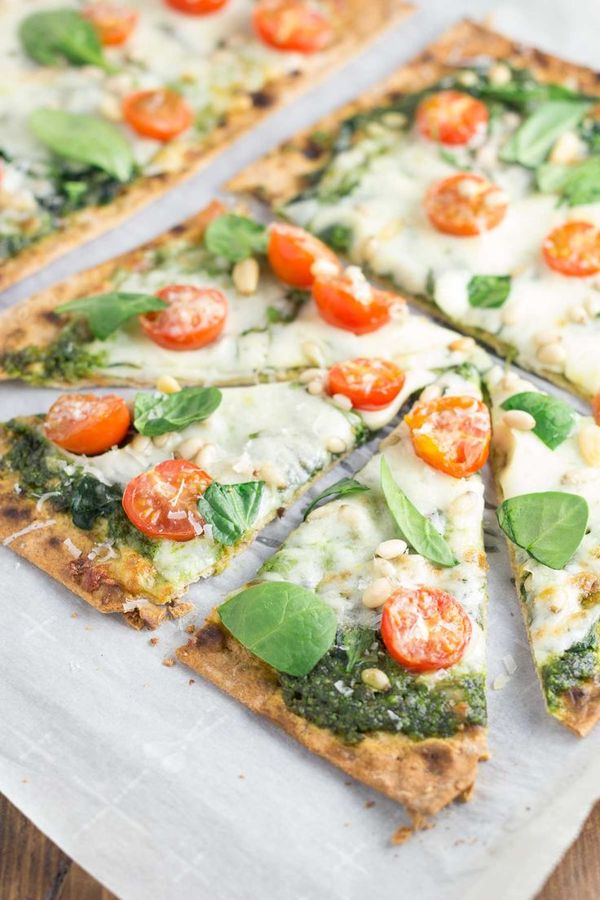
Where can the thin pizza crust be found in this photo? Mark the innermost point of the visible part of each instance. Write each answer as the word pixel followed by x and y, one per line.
pixel 361 23
pixel 424 776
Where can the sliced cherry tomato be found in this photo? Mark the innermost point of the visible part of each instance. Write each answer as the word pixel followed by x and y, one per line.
pixel 160 114
pixel 87 423
pixel 163 502
pixel 596 409
pixel 293 252
pixel 573 249
pixel 294 25
pixel 369 383
pixel 197 7
pixel 465 205
pixel 352 304
pixel 425 628
pixel 452 434
pixel 195 317
pixel 451 117
pixel 113 23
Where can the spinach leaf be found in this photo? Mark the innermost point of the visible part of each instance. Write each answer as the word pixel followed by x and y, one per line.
pixel 231 509
pixel 107 312
pixel 156 413
pixel 338 236
pixel 554 419
pixel 235 237
pixel 85 139
pixel 414 527
pixel 355 642
pixel 92 499
pixel 283 624
pixel 548 525
pixel 531 142
pixel 488 291
pixel 62 35
pixel 575 185
pixel 345 487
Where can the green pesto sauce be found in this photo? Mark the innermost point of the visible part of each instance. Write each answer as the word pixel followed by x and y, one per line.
pixel 577 665
pixel 411 706
pixel 66 359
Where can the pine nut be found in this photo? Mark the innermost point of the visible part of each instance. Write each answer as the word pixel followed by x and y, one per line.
pixel 519 420
pixel 316 387
pixel 550 336
pixel 166 384
pixel 342 402
pixel 335 445
pixel 188 449
pixel 499 74
pixel 383 568
pixel 391 549
pixel 462 344
pixel 313 353
pixel 589 443
pixel 162 440
pixel 578 314
pixel 468 79
pixel 245 276
pixel 310 375
pixel 377 593
pixel 553 354
pixel 463 504
pixel 509 316
pixel 431 392
pixel 376 679
pixel 141 443
pixel 206 457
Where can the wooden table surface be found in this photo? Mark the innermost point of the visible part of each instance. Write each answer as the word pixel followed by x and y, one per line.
pixel 33 868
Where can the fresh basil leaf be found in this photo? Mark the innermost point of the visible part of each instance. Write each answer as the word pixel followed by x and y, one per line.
pixel 575 185
pixel 554 419
pixel 488 291
pixel 231 509
pixel 85 139
pixel 549 525
pixel 107 312
pixel 345 487
pixel 531 142
pixel 287 626
pixel 235 237
pixel 56 36
pixel 414 527
pixel 156 413
pixel 355 642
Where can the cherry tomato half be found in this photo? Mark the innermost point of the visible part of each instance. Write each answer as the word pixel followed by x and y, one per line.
pixel 465 205
pixel 113 23
pixel 195 317
pixel 596 409
pixel 369 383
pixel 197 7
pixel 451 434
pixel 160 114
pixel 353 305
pixel 293 252
pixel 293 25
pixel 87 423
pixel 163 502
pixel 573 249
pixel 425 628
pixel 451 117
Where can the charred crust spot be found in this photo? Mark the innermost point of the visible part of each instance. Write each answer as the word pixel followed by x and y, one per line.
pixel 261 99
pixel 280 512
pixel 295 73
pixel 576 696
pixel 437 758
pixel 312 150
pixel 15 513
pixel 211 638
pixel 54 541
pixel 50 316
pixel 178 229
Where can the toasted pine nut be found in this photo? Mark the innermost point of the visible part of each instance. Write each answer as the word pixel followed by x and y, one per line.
pixel 335 445
pixel 245 276
pixel 166 384
pixel 377 593
pixel 519 420
pixel 315 387
pixel 589 443
pixel 310 375
pixel 342 402
pixel 391 549
pixel 553 354
pixel 375 679
pixel 188 449
pixel 313 353
pixel 462 344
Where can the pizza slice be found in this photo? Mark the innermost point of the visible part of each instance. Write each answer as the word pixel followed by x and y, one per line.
pixel 470 179
pixel 546 459
pixel 219 300
pixel 364 635
pixel 108 105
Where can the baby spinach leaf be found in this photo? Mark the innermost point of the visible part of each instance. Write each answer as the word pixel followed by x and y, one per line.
pixel 235 237
pixel 56 36
pixel 231 508
pixel 107 312
pixel 488 291
pixel 287 626
pixel 345 487
pixel 549 525
pixel 85 139
pixel 414 527
pixel 531 142
pixel 156 413
pixel 575 185
pixel 554 419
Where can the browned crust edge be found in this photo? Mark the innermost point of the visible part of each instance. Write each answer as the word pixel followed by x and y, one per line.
pixel 424 776
pixel 361 24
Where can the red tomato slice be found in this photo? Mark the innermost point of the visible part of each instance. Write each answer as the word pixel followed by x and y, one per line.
pixel 465 205
pixel 573 249
pixel 161 114
pixel 596 409
pixel 197 7
pixel 163 502
pixel 113 23
pixel 195 317
pixel 425 629
pixel 451 117
pixel 451 434
pixel 354 306
pixel 294 25
pixel 369 383
pixel 87 423
pixel 292 253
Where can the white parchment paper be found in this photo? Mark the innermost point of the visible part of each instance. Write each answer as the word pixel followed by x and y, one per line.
pixel 167 790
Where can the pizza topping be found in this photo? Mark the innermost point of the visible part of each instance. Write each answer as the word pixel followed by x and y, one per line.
pixel 596 409
pixel 161 114
pixel 368 383
pixel 87 423
pixel 451 434
pixel 377 593
pixel 425 629
pixel 293 254
pixel 376 679
pixel 197 7
pixel 465 205
pixel 161 414
pixel 589 443
pixel 348 301
pixel 549 525
pixel 113 23
pixel 163 502
pixel 298 26
pixel 573 249
pixel 451 117
pixel 195 317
